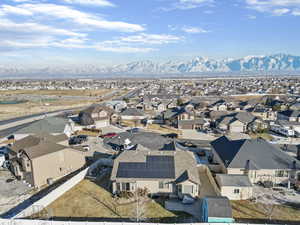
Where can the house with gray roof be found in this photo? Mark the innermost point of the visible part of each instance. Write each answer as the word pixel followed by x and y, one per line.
pixel 52 125
pixel 171 173
pixel 235 186
pixel 240 122
pixel 216 210
pixel 44 158
pixel 256 158
pixel 289 115
pixel 132 114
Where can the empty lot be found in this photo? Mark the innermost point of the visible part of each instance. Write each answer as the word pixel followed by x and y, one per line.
pixel 12 193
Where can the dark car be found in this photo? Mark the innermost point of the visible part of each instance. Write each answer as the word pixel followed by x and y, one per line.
pixel 82 137
pixel 133 130
pixel 75 141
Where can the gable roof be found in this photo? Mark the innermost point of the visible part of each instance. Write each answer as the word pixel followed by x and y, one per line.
pixel 49 125
pixel 36 146
pixel 290 113
pixel 252 154
pixel 154 167
pixel 132 112
pixel 172 165
pixel 234 180
pixel 218 207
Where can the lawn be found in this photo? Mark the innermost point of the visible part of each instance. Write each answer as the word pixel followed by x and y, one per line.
pixel 90 200
pixel 265 136
pixel 164 130
pixel 246 211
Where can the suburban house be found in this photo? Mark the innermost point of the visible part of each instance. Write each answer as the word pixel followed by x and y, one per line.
pixel 289 115
pixel 52 125
pixel 216 210
pixel 264 113
pixel 132 114
pixel 256 158
pixel 117 105
pixel 161 172
pixel 98 116
pixel 40 160
pixel 235 187
pixel 240 122
pixel 219 105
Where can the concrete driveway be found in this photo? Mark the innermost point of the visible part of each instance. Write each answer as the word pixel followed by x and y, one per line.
pixel 192 209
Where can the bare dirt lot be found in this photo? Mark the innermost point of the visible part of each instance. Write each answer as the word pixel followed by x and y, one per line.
pixel 13 192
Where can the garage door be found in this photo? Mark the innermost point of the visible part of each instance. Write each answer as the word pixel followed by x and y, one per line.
pixel 100 124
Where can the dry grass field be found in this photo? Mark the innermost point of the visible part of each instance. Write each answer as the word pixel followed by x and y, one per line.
pixel 57 92
pixel 89 200
pixel 62 99
pixel 28 108
pixel 256 212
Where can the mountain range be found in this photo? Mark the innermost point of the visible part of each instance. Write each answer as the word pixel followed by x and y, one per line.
pixel 277 63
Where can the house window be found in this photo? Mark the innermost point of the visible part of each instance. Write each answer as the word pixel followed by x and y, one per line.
pixel 118 187
pixel 163 185
pixel 179 188
pixel 160 185
pixel 236 191
pixel 125 186
pixel 281 173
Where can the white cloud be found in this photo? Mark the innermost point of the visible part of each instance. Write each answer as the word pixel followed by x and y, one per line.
pixel 296 12
pixel 156 39
pixel 103 3
pixel 251 17
pixel 8 9
pixel 53 11
pixel 188 4
pixel 275 7
pixel 30 28
pixel 191 4
pixel 194 30
pixel 280 12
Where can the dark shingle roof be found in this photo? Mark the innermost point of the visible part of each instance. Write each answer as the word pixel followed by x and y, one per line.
pixel 154 167
pixel 252 154
pixel 290 113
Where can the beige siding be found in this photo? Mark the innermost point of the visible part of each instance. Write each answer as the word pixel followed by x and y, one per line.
pixel 56 165
pixel 244 192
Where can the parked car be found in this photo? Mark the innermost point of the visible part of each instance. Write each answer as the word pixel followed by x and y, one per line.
pixel 83 137
pixel 108 135
pixel 75 141
pixel 85 148
pixel 133 130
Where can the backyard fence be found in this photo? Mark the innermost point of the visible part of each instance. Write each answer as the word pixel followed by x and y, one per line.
pixel 46 200
pixel 44 222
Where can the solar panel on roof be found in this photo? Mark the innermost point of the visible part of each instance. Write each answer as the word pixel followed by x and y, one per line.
pixel 154 167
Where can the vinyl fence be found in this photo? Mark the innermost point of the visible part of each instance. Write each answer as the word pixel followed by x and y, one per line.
pixel 44 222
pixel 59 191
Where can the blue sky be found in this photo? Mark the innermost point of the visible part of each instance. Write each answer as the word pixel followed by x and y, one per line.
pixel 58 32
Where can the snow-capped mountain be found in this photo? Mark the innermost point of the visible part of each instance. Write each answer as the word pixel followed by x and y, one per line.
pixel 251 64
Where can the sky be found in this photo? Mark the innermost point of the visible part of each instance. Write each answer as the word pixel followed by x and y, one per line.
pixel 109 32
